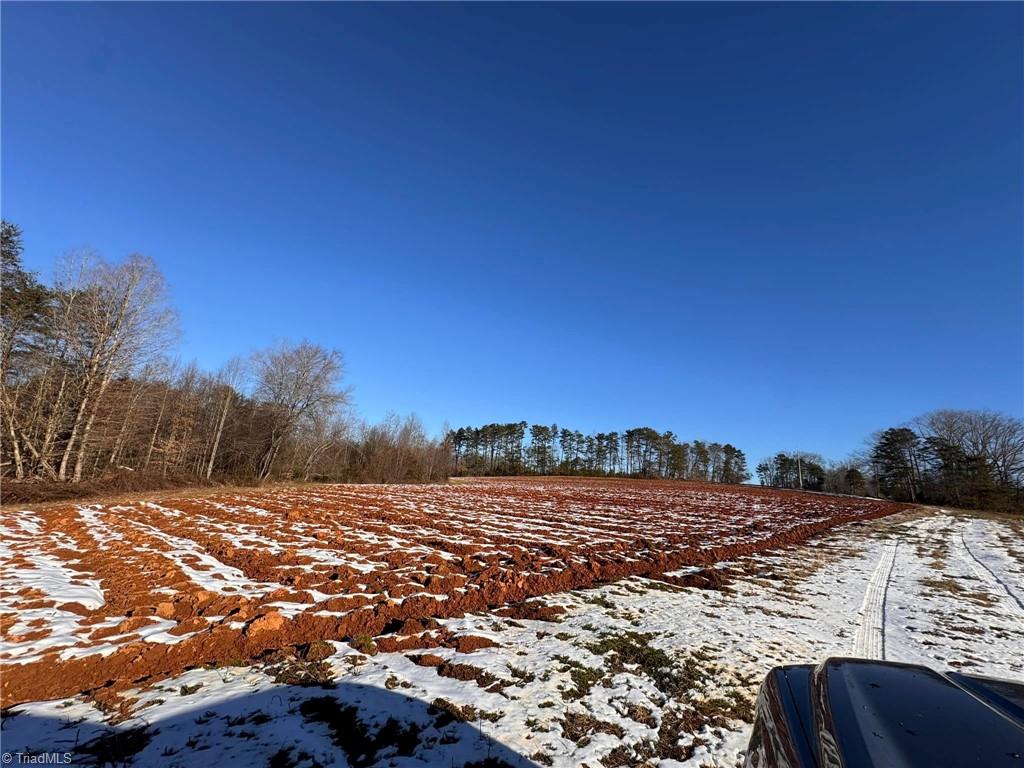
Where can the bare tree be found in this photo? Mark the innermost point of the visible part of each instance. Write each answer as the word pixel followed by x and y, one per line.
pixel 295 383
pixel 996 437
pixel 227 380
pixel 86 391
pixel 117 318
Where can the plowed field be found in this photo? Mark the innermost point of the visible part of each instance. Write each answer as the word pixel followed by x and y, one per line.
pixel 113 594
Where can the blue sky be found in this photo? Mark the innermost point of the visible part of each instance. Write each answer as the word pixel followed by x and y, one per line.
pixel 784 226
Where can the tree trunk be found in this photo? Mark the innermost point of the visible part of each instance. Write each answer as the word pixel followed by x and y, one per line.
pixel 90 380
pixel 52 421
pixel 41 459
pixel 268 458
pixel 156 430
pixel 19 468
pixel 65 459
pixel 83 444
pixel 220 430
pixel 311 459
pixel 122 433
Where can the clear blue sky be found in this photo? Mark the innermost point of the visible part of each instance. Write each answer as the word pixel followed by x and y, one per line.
pixel 782 226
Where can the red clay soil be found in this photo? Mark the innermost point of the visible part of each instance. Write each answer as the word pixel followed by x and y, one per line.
pixel 228 577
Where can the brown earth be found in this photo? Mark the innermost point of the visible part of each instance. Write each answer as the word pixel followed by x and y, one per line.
pixel 230 576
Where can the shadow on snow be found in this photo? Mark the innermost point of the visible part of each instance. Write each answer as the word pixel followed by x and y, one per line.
pixel 284 727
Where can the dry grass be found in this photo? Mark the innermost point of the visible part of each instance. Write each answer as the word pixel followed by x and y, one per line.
pixel 112 484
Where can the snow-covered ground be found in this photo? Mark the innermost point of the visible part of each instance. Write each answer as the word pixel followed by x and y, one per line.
pixel 639 672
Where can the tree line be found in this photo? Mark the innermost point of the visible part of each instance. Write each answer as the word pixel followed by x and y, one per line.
pixel 539 449
pixel 89 389
pixel 961 458
pixel 810 472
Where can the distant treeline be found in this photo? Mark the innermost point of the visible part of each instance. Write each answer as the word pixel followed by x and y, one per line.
pixel 971 459
pixel 810 472
pixel 515 449
pixel 88 391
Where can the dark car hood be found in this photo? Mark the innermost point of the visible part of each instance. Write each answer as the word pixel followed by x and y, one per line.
pixel 884 714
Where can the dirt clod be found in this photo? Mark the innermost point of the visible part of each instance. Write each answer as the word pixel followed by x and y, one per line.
pixel 268 622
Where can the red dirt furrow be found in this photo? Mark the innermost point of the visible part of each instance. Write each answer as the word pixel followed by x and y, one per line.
pixel 674 525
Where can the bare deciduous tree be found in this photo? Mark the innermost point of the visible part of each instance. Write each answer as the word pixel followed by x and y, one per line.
pixel 116 318
pixel 296 383
pixel 87 391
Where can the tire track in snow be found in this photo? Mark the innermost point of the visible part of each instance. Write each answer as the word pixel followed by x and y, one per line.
pixel 869 642
pixel 987 574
